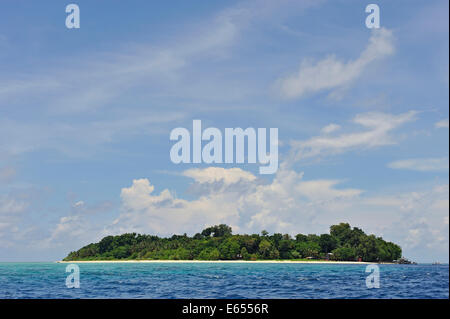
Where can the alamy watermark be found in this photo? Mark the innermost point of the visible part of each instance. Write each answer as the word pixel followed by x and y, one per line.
pixel 73 279
pixel 373 19
pixel 211 152
pixel 373 279
pixel 73 17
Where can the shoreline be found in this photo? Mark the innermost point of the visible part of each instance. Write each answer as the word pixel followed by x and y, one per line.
pixel 225 261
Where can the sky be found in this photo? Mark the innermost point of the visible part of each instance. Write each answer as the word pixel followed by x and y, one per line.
pixel 86 115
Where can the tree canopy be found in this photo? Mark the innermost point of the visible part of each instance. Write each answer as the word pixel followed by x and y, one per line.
pixel 217 242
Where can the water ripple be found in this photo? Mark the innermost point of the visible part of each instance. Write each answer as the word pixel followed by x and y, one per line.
pixel 213 280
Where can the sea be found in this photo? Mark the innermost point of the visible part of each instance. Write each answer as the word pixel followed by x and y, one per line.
pixel 222 280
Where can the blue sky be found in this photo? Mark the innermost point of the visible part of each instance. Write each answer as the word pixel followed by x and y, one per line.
pixel 85 118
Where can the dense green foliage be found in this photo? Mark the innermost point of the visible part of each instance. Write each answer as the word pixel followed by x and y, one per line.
pixel 218 243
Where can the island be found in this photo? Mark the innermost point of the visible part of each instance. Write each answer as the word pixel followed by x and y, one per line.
pixel 217 243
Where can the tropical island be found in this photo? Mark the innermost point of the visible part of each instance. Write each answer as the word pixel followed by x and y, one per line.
pixel 343 243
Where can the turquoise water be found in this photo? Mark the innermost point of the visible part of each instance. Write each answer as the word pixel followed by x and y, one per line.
pixel 215 280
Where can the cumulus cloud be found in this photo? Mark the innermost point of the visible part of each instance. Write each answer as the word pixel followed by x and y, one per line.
pixel 424 221
pixel 217 174
pixel 331 73
pixel 164 213
pixel 256 207
pixel 10 205
pixel 421 164
pixel 79 227
pixel 324 189
pixel 330 128
pixel 69 227
pixel 12 209
pixel 290 204
pixel 442 124
pixel 377 128
pixel 78 204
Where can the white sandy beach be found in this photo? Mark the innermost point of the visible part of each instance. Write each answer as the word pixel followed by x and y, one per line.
pixel 221 261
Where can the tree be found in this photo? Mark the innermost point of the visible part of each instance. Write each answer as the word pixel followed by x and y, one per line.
pixel 341 232
pixel 284 247
pixel 301 237
pixel 368 249
pixel 121 252
pixel 355 237
pixel 250 243
pixel 327 243
pixel 222 230
pixel 264 248
pixel 229 249
pixel 308 249
pixel 295 254
pixel 244 253
pixel 198 236
pixel 276 238
pixel 209 254
pixel 313 238
pixel 218 242
pixel 344 253
pixel 267 251
pixel 182 254
pixel 217 231
pixel 105 244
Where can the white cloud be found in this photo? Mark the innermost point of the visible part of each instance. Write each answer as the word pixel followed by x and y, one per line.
pixel 330 128
pixel 11 206
pixel 290 204
pixel 252 208
pixel 104 80
pixel 442 124
pixel 422 164
pixel 217 174
pixel 442 204
pixel 143 79
pixel 78 204
pixel 216 205
pixel 331 73
pixel 324 189
pixel 377 133
pixel 163 213
pixel 79 227
pixel 92 85
pixel 69 227
pixel 421 225
pixel 156 67
pixel 12 209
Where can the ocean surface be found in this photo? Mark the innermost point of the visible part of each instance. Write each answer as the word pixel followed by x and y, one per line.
pixel 217 280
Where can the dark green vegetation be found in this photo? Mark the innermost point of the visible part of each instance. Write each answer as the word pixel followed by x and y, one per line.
pixel 218 243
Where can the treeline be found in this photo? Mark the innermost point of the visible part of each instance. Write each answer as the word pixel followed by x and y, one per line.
pixel 218 243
